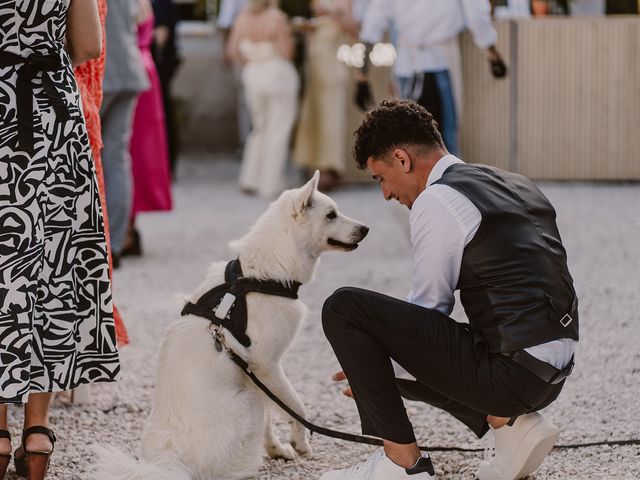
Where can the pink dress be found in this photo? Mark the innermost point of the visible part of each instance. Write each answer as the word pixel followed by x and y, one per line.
pixel 149 145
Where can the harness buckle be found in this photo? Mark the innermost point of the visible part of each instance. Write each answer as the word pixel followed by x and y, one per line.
pixel 566 320
pixel 222 310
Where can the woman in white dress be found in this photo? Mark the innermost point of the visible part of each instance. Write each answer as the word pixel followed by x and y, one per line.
pixel 261 41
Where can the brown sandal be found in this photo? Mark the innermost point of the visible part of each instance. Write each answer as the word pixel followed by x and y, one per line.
pixel 33 465
pixel 5 458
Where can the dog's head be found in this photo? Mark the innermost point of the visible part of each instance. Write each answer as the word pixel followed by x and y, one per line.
pixel 295 230
pixel 319 221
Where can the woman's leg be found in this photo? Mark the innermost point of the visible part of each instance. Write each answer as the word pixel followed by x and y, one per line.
pixel 281 116
pixel 5 443
pixel 253 155
pixel 36 412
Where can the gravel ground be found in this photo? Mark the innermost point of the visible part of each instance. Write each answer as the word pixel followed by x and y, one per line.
pixel 600 224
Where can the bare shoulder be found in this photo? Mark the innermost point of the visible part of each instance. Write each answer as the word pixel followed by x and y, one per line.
pixel 278 15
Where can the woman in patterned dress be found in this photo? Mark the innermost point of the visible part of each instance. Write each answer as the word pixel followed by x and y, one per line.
pixel 56 315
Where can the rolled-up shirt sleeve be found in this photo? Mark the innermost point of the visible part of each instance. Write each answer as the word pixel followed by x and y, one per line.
pixel 477 15
pixel 229 10
pixel 376 21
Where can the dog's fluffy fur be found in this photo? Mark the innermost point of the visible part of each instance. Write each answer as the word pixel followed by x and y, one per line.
pixel 209 422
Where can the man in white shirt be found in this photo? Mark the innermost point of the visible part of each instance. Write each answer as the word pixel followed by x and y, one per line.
pixel 492 235
pixel 229 10
pixel 428 68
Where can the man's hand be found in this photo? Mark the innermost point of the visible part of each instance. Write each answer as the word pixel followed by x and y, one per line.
pixel 497 65
pixel 339 377
pixel 363 96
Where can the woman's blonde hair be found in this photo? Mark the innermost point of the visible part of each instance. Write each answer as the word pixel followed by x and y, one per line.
pixel 258 5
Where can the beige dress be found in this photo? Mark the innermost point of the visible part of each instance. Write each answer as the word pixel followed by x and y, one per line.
pixel 322 131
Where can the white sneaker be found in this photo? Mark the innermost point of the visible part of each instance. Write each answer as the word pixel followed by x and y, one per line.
pixel 379 467
pixel 520 449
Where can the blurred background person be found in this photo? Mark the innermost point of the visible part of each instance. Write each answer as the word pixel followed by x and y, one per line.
pixel 359 7
pixel 261 41
pixel 149 147
pixel 322 129
pixel 167 60
pixel 227 14
pixel 124 79
pixel 428 66
pixel 300 16
pixel 56 316
pixel 89 78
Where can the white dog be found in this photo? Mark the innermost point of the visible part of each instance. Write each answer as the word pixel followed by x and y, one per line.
pixel 209 422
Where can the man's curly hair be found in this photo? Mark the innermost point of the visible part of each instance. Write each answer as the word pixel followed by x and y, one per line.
pixel 394 123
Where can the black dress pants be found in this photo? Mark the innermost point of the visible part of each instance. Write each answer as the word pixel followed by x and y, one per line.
pixel 452 365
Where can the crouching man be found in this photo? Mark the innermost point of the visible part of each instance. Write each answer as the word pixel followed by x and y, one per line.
pixel 492 234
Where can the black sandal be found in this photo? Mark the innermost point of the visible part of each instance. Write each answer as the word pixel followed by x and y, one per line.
pixel 5 458
pixel 33 464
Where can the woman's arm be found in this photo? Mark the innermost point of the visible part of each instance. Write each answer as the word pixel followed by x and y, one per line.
pixel 238 30
pixel 284 36
pixel 84 33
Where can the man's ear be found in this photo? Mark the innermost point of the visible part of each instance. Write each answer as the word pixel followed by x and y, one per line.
pixel 304 198
pixel 404 158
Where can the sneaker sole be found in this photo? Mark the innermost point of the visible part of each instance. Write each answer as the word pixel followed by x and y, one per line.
pixel 538 442
pixel 547 436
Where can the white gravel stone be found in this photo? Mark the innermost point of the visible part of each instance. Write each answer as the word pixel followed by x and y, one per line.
pixel 600 226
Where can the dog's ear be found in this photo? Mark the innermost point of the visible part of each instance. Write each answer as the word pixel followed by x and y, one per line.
pixel 305 195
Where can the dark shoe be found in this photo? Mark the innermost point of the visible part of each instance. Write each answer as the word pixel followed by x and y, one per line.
pixel 33 464
pixel 115 260
pixel 5 458
pixel 133 246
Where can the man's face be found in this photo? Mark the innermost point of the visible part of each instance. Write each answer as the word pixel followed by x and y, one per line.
pixel 393 178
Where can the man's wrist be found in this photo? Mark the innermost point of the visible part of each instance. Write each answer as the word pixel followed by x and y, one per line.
pixel 492 53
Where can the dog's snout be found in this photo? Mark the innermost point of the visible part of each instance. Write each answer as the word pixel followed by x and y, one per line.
pixel 362 230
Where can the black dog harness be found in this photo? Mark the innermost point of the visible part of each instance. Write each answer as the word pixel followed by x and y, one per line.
pixel 226 304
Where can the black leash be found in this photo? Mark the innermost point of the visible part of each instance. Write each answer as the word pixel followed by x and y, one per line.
pixel 351 437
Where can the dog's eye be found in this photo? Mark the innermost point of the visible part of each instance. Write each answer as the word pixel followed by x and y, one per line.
pixel 332 214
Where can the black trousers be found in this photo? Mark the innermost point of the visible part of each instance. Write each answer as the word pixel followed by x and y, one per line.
pixel 452 365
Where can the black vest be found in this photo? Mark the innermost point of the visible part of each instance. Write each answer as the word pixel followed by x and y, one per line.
pixel 514 282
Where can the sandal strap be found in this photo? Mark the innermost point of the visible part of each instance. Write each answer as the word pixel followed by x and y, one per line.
pixel 5 434
pixel 38 429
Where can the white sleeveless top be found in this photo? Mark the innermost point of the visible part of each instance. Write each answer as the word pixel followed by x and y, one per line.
pixel 257 51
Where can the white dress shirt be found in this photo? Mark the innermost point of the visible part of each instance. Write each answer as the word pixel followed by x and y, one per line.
pixel 358 9
pixel 229 10
pixel 423 27
pixel 443 221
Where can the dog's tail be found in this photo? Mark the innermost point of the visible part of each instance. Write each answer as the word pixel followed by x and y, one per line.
pixel 114 464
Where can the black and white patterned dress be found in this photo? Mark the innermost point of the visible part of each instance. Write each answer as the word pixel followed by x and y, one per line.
pixel 56 314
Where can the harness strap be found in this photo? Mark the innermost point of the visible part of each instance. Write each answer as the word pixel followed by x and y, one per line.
pixel 350 437
pixel 237 285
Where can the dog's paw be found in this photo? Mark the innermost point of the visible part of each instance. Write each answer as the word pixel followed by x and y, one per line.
pixel 303 447
pixel 280 450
